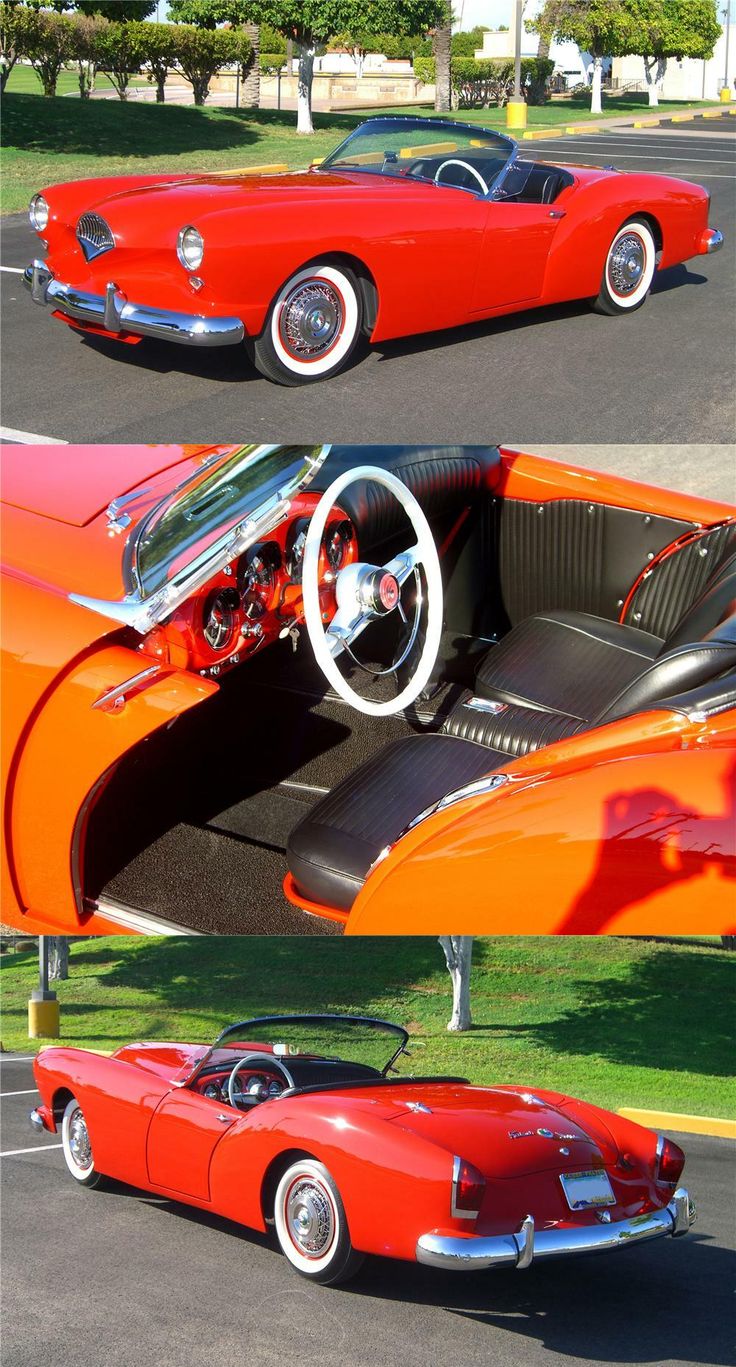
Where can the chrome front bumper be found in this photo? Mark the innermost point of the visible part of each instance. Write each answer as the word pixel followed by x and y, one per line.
pixel 113 312
pixel 36 1122
pixel 470 1253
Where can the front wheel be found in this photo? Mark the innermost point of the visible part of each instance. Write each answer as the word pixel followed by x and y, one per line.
pixel 312 326
pixel 629 269
pixel 311 1226
pixel 76 1145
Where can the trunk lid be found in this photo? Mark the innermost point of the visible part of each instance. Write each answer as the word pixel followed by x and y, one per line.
pixel 504 1133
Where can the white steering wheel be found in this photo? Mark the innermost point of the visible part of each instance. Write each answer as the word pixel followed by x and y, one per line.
pixel 250 1063
pixel 366 593
pixel 455 161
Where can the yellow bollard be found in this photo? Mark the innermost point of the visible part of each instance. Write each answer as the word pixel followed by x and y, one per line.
pixel 43 1019
pixel 516 114
pixel 726 95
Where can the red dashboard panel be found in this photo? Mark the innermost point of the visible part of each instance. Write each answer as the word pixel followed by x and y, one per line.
pixel 256 599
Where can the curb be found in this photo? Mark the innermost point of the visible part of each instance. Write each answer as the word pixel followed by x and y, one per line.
pixel 614 125
pixel 685 1124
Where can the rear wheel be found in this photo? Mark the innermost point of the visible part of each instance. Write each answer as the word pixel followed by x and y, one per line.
pixel 75 1142
pixel 629 270
pixel 312 326
pixel 311 1226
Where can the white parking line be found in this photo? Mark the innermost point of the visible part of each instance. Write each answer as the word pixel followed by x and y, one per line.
pixel 12 270
pixel 37 1148
pixel 30 1091
pixel 29 439
pixel 631 156
pixel 17 1058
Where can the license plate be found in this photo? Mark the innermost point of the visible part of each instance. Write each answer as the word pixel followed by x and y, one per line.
pixel 587 1190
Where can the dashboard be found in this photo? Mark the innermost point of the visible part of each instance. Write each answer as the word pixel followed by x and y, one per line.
pixel 255 1083
pixel 257 598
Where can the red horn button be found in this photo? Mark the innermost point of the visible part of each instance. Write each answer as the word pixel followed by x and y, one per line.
pixel 388 592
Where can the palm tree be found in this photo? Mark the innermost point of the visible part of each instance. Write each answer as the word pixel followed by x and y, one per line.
pixel 441 44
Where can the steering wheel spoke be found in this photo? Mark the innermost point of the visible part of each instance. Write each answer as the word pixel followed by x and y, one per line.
pixel 404 564
pixel 344 629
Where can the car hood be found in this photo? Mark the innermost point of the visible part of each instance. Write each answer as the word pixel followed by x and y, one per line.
pixel 171 1061
pixel 505 1133
pixel 76 485
pixel 196 198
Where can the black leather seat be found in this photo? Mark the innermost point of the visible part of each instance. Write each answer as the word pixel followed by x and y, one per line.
pixel 553 675
pixel 332 848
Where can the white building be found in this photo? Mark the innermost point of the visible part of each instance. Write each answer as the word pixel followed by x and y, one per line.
pixel 570 63
pixel 689 79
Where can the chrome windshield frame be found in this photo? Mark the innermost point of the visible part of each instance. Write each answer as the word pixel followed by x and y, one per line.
pixel 321 1018
pixel 140 610
pixel 401 121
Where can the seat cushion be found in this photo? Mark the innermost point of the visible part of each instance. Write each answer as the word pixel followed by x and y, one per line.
pixel 509 728
pixel 332 848
pixel 568 662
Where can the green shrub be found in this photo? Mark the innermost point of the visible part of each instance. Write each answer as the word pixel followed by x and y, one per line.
pixel 480 84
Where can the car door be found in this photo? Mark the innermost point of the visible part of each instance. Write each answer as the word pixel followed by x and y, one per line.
pixel 182 1137
pixel 513 253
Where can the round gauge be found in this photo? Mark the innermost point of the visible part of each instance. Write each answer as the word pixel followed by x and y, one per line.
pixel 275 1088
pixel 256 1086
pixel 296 554
pixel 219 618
pixel 259 585
pixel 212 1090
pixel 337 540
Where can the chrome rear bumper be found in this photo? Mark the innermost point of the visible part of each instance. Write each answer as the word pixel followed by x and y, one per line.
pixel 469 1253
pixel 115 313
pixel 711 241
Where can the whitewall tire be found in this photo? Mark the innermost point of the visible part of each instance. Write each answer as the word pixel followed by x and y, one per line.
pixel 312 326
pixel 311 1226
pixel 76 1146
pixel 629 269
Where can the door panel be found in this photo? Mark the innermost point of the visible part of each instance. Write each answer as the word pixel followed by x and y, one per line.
pixel 182 1139
pixel 514 251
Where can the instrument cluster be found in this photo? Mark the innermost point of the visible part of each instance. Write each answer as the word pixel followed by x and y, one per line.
pixel 257 598
pixel 262 1086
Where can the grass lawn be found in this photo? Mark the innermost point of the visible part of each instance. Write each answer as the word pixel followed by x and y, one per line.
pixel 573 109
pixel 23 80
pixel 45 141
pixel 616 1021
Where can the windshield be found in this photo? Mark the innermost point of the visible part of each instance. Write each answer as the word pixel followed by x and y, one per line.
pixel 455 154
pixel 352 1039
pixel 208 520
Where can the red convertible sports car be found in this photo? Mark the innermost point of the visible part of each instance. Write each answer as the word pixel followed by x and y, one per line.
pixel 272 1126
pixel 397 689
pixel 410 225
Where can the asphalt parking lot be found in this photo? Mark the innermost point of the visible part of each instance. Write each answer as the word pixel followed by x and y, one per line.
pixel 118 1277
pixel 663 374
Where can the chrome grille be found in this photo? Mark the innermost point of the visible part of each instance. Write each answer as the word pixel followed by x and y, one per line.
pixel 94 235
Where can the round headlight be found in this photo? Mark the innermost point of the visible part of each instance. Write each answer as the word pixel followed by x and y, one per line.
pixel 38 212
pixel 190 248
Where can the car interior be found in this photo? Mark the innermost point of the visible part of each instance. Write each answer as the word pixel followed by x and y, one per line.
pixel 529 182
pixel 559 616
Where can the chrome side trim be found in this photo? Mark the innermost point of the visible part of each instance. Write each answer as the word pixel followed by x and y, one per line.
pixel 115 698
pixel 478 788
pixel 475 1252
pixel 114 312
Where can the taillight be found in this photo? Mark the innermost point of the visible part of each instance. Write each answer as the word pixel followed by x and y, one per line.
pixel 670 1160
pixel 468 1185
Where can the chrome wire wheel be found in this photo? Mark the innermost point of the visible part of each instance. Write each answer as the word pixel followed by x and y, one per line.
pixel 313 325
pixel 629 269
pixel 311 1225
pixel 626 264
pixel 310 1217
pixel 77 1145
pixel 311 319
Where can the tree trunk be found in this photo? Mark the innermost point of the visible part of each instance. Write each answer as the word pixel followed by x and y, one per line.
pixel 442 83
pixel 359 58
pixel 87 76
pixel 201 88
pixel 58 957
pixel 251 87
pixel 596 106
pixel 161 85
pixel 458 950
pixel 6 66
pixel 304 96
pixel 654 70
